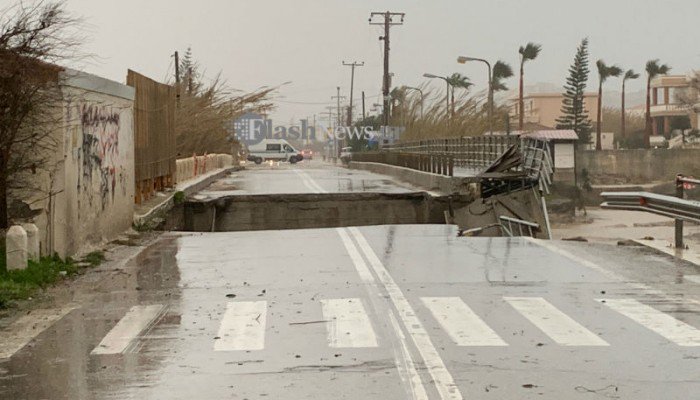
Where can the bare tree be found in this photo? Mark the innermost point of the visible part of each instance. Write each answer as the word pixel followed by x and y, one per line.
pixel 34 40
pixel 205 111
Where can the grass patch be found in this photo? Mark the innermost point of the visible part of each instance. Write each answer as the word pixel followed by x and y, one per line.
pixel 179 197
pixel 22 284
pixel 94 259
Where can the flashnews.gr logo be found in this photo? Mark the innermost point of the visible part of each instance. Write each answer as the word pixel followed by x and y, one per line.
pixel 252 128
pixel 247 128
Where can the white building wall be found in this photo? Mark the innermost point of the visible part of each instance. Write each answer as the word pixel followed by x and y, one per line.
pixel 95 179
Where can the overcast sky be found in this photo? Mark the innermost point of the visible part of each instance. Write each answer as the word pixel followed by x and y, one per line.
pixel 257 42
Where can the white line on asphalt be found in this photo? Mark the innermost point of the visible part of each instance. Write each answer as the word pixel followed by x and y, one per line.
pixel 665 325
pixel 138 320
pixel 558 326
pixel 461 323
pixel 547 244
pixel 242 327
pixel 407 368
pixel 356 258
pixel 442 378
pixel 692 278
pixel 309 182
pixel 348 324
pixel 27 327
pixel 404 363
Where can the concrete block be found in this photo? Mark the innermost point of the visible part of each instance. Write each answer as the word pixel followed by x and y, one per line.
pixel 32 241
pixel 16 248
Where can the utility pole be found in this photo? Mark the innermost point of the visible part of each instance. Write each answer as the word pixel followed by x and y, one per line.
pixel 388 22
pixel 352 66
pixel 338 97
pixel 340 119
pixel 363 105
pixel 177 78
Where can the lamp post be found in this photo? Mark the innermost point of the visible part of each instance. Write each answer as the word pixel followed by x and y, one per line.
pixel 447 95
pixel 421 98
pixel 463 60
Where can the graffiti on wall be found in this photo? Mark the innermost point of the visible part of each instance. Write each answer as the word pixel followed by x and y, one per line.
pixel 100 153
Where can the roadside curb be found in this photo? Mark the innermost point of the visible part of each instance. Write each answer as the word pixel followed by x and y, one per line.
pixel 188 188
pixel 662 247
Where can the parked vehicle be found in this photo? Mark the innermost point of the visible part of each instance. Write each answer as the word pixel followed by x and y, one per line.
pixel 346 154
pixel 308 154
pixel 273 149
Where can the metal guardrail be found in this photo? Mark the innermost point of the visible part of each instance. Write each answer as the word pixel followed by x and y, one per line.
pixel 677 207
pixel 434 163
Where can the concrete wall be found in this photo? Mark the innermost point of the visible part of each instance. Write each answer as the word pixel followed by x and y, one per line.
pixel 91 183
pixel 639 166
pixel 433 182
pixel 188 168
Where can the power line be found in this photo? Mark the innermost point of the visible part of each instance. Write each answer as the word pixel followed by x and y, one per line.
pixel 388 23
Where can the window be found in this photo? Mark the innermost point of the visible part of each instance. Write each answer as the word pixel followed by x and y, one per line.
pixel 274 147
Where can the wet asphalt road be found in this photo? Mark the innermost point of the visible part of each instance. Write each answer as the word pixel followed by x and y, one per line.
pixel 385 312
pixel 308 176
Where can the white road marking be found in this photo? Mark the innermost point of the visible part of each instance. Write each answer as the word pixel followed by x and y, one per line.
pixel 692 278
pixel 356 258
pixel 444 383
pixel 348 324
pixel 120 338
pixel 27 327
pixel 407 368
pixel 547 244
pixel 309 182
pixel 461 323
pixel 242 327
pixel 404 362
pixel 558 326
pixel 665 325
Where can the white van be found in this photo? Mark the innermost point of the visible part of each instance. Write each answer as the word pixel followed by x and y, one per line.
pixel 273 149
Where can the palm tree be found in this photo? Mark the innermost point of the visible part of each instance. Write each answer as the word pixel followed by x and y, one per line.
pixel 630 74
pixel 653 70
pixel 460 81
pixel 528 52
pixel 501 70
pixel 604 72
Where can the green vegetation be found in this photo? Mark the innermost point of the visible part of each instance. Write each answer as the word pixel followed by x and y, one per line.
pixel 604 72
pixel 23 284
pixel 528 52
pixel 179 197
pixel 574 115
pixel 94 259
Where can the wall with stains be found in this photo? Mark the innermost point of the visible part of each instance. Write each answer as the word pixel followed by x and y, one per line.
pixel 95 187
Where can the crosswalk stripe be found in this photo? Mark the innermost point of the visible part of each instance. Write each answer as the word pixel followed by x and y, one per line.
pixel 348 324
pixel 242 327
pixel 461 323
pixel 561 328
pixel 136 321
pixel 663 324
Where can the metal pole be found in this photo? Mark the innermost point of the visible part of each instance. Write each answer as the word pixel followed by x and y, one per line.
pixel 490 98
pixel 679 222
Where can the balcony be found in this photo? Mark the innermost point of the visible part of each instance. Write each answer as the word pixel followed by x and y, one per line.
pixel 661 110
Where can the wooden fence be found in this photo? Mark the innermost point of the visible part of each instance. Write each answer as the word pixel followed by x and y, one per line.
pixel 154 135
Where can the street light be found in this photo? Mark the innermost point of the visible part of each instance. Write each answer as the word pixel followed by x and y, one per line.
pixel 463 60
pixel 421 97
pixel 447 95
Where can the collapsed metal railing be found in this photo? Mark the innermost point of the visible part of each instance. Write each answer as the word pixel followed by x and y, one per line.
pixel 677 207
pixel 483 156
